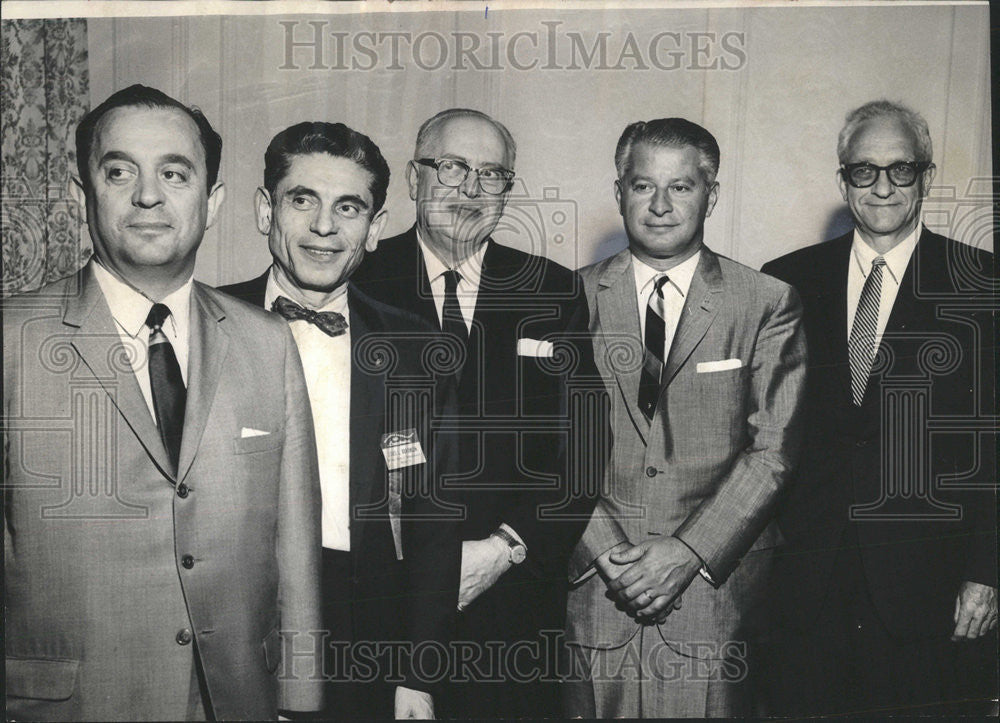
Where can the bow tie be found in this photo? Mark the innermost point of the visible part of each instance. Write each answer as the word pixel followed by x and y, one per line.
pixel 329 322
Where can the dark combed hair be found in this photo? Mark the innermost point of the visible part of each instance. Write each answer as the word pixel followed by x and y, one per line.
pixel 141 96
pixel 673 133
pixel 335 139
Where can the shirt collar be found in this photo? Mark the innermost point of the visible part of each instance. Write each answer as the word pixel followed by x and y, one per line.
pixel 274 289
pixel 470 269
pixel 130 307
pixel 896 259
pixel 680 275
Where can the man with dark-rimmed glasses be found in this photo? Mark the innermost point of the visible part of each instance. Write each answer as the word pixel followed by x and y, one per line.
pixel 885 597
pixel 524 487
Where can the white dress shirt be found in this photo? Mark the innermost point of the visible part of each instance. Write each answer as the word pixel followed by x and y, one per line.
pixel 674 293
pixel 471 271
pixel 326 361
pixel 860 266
pixel 130 307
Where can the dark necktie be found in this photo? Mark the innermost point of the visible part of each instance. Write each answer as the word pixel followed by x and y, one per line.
pixel 451 314
pixel 329 322
pixel 166 383
pixel 652 357
pixel 861 345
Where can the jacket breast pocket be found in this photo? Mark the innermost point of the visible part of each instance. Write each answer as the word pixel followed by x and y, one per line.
pixel 258 443
pixel 43 678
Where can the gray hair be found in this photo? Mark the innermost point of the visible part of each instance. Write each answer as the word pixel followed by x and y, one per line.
pixel 430 131
pixel 886 109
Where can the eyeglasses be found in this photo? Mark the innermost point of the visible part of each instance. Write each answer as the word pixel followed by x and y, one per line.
pixel 900 173
pixel 452 173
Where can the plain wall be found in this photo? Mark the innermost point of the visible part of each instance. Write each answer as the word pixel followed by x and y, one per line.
pixel 776 114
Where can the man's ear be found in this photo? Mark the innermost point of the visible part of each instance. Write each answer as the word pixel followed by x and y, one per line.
pixel 713 198
pixel 927 180
pixel 215 198
pixel 79 195
pixel 375 229
pixel 412 179
pixel 842 185
pixel 618 196
pixel 262 208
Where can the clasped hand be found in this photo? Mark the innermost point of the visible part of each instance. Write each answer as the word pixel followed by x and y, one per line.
pixel 648 579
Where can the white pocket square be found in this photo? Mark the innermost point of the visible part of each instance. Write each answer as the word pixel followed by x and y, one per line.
pixel 251 432
pixel 718 366
pixel 534 347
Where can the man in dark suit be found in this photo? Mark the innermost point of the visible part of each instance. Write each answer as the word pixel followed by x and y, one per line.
pixel 390 547
pixel 885 596
pixel 161 526
pixel 532 418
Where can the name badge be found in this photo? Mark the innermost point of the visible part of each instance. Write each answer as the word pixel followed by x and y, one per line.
pixel 402 449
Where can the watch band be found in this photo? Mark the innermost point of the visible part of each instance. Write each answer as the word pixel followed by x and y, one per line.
pixel 518 552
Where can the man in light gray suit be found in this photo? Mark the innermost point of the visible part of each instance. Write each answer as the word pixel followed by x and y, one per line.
pixel 161 499
pixel 704 359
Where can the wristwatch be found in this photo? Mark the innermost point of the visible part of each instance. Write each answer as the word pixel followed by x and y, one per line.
pixel 518 552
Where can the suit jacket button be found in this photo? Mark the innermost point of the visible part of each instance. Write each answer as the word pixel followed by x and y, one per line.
pixel 182 490
pixel 650 471
pixel 861 443
pixel 184 636
pixel 187 561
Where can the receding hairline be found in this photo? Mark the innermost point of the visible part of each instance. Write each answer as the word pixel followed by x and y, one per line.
pixel 103 122
pixel 432 129
pixel 908 132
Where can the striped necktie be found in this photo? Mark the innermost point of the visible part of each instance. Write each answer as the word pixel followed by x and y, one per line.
pixel 861 345
pixel 166 383
pixel 652 357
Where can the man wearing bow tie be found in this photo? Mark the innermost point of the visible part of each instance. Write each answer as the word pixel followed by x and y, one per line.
pixel 388 577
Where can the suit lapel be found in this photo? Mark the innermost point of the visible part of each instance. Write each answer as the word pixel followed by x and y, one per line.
pixel 618 311
pixel 208 344
pixel 418 298
pixel 700 310
pixel 94 335
pixel 834 308
pixel 367 421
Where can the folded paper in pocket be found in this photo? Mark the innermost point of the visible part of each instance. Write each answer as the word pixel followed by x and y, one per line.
pixel 534 347
pixel 718 366
pixel 251 432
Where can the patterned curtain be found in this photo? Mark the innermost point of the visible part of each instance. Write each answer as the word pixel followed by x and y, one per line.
pixel 44 95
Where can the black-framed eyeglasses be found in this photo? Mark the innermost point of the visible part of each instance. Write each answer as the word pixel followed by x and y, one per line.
pixel 900 173
pixel 452 173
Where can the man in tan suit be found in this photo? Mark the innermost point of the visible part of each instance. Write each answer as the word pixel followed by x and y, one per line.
pixel 161 499
pixel 705 362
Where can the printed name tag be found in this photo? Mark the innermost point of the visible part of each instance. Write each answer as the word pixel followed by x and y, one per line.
pixel 402 449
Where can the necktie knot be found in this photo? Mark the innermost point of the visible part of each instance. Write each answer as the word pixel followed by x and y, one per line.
pixel 157 315
pixel 661 281
pixel 451 279
pixel 331 323
pixel 877 262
